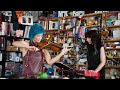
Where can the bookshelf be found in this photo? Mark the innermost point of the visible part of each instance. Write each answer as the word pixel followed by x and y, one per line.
pixel 111 41
pixel 6 50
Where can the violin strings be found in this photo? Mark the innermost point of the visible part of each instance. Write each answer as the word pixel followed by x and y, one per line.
pixel 45 45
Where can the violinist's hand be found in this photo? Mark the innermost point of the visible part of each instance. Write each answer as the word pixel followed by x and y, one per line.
pixel 19 33
pixel 64 50
pixel 33 48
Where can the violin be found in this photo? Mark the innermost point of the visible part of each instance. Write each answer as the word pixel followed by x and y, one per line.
pixel 49 45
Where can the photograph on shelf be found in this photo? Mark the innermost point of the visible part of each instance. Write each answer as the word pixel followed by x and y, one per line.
pixel 27 20
pixel 53 25
pixel 110 19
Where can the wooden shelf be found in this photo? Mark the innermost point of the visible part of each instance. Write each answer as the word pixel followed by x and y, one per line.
pixel 112 12
pixel 112 48
pixel 61 30
pixel 53 19
pixel 92 14
pixel 67 36
pixel 93 26
pixel 112 67
pixel 112 40
pixel 71 36
pixel 62 36
pixel 67 17
pixel 114 26
pixel 58 30
pixel 73 57
pixel 95 14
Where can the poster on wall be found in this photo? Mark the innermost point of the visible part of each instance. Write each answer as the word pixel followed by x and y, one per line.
pixel 27 20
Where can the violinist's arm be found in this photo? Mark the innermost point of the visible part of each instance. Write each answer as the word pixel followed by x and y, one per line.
pixel 21 44
pixel 50 60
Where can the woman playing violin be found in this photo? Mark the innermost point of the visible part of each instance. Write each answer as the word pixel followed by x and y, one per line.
pixel 33 57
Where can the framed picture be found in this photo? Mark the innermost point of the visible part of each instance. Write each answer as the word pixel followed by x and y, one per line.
pixel 27 20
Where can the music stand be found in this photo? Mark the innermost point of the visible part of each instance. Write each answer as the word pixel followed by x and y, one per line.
pixel 62 66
